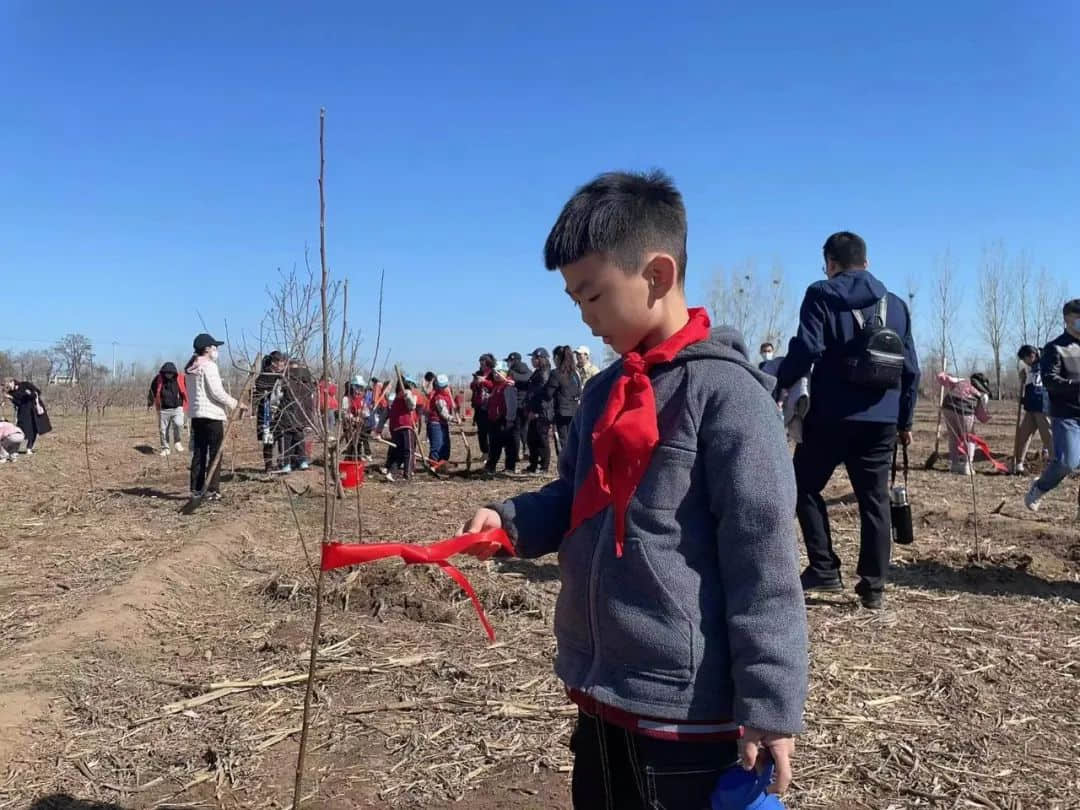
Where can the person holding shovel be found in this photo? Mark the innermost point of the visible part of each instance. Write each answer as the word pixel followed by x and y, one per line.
pixel 210 407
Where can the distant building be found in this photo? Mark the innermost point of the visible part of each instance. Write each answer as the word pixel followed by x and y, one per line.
pixel 63 379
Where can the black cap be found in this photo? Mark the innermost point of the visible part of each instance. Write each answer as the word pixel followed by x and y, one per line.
pixel 541 352
pixel 513 358
pixel 205 341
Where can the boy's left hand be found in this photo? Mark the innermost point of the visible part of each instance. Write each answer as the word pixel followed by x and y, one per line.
pixel 756 748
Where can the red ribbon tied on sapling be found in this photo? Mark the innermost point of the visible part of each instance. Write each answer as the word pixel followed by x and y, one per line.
pixel 482 544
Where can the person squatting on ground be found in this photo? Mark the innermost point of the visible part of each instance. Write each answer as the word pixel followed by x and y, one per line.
pixel 168 396
pixel 565 386
pixel 855 415
pixel 266 396
pixel 11 439
pixel 963 402
pixel 299 410
pixel 1060 370
pixel 539 413
pixel 404 419
pixel 210 406
pixel 30 414
pixel 441 412
pixel 680 615
pixel 481 387
pixel 1035 402
pixel 502 412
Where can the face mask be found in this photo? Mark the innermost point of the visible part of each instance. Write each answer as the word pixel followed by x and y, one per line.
pixel 1076 324
pixel 766 356
pixel 214 354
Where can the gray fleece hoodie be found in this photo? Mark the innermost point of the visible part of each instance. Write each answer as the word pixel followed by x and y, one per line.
pixel 702 619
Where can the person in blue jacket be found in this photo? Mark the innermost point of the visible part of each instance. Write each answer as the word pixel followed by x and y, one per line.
pixel 1035 401
pixel 848 423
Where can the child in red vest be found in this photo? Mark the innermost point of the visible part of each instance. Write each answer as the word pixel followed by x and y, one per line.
pixel 441 410
pixel 680 622
pixel 502 409
pixel 403 421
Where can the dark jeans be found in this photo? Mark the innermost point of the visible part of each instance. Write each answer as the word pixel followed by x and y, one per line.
pixel 439 440
pixel 522 432
pixel 865 449
pixel 483 429
pixel 206 438
pixel 562 430
pixel 539 444
pixel 503 437
pixel 403 454
pixel 615 769
pixel 268 452
pixel 293 453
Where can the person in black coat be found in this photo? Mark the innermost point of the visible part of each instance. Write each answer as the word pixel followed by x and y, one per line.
pixel 565 387
pixel 30 414
pixel 297 416
pixel 520 375
pixel 539 413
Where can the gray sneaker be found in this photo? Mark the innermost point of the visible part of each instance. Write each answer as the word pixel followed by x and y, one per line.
pixel 1033 497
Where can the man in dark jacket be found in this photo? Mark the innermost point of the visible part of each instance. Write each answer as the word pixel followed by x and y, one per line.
pixel 520 374
pixel 540 413
pixel 849 423
pixel 297 415
pixel 1060 369
pixel 168 395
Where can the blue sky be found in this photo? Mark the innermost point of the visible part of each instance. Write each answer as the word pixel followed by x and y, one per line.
pixel 158 160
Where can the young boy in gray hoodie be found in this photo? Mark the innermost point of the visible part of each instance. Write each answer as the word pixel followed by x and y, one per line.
pixel 681 625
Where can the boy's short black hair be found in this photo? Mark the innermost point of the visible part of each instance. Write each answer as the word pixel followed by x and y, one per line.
pixel 429 376
pixel 623 215
pixel 766 343
pixel 1071 307
pixel 1025 350
pixel 845 248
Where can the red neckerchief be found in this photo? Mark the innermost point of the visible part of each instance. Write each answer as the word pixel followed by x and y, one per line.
pixel 626 433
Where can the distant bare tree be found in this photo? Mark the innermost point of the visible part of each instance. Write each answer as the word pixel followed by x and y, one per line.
pixel 995 304
pixel 946 305
pixel 752 301
pixel 34 365
pixel 73 350
pixel 1050 295
pixel 1024 284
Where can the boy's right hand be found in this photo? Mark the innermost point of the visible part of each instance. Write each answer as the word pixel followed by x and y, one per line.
pixel 483 520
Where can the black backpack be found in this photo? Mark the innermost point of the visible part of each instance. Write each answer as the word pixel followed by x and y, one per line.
pixel 876 356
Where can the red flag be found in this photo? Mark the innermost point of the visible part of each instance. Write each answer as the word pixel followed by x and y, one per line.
pixel 339 555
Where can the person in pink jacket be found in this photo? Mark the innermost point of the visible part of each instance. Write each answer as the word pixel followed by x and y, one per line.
pixel 11 439
pixel 965 401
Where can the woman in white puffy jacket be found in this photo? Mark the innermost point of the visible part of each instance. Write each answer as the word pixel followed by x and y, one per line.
pixel 210 407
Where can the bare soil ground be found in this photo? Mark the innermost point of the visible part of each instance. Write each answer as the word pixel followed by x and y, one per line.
pixel 147 658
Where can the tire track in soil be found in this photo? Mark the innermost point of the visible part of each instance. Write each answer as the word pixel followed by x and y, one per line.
pixel 110 617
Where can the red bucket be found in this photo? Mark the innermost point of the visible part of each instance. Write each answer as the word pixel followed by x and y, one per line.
pixel 352 474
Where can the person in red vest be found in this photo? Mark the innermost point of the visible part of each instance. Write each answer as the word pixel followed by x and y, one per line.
pixel 403 421
pixel 441 410
pixel 481 387
pixel 502 410
pixel 328 404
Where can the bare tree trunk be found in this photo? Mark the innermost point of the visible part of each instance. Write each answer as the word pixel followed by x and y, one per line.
pixel 327 528
pixel 995 303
